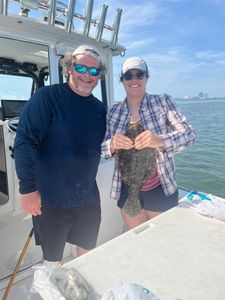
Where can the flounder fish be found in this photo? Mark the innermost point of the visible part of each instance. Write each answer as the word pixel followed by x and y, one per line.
pixel 136 167
pixel 72 285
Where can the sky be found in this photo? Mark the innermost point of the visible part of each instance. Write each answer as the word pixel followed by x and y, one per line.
pixel 182 42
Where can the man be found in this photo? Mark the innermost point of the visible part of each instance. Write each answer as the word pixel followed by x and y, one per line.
pixel 57 153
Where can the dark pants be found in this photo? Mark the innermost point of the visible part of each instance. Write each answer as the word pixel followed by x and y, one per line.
pixel 75 225
pixel 152 200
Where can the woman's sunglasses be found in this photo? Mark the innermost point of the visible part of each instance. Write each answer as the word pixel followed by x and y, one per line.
pixel 139 75
pixel 83 70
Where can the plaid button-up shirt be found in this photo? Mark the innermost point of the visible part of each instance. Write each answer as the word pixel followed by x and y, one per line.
pixel 160 115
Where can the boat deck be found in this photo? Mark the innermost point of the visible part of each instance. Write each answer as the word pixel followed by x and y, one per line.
pixel 177 255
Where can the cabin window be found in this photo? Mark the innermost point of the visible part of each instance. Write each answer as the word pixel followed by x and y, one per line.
pixel 24 68
pixel 15 87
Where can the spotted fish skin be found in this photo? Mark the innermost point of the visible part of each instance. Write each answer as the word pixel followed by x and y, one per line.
pixel 136 167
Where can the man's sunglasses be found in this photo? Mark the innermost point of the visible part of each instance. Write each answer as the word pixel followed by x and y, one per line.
pixel 139 75
pixel 83 70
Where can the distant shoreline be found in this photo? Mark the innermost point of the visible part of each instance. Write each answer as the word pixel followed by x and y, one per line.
pixel 197 98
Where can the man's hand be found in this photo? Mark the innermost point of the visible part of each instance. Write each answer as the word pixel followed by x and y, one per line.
pixel 31 203
pixel 148 139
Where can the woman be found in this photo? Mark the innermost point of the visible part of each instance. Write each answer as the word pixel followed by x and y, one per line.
pixel 165 129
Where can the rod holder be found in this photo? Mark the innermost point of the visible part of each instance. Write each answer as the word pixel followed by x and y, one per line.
pixel 70 15
pixel 52 13
pixel 1 7
pixel 57 7
pixel 4 7
pixel 88 15
pixel 116 26
pixel 101 22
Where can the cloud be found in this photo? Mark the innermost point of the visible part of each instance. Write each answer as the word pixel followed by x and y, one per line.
pixel 135 13
pixel 183 53
pixel 140 43
pixel 217 2
pixel 179 72
pixel 182 74
pixel 175 1
pixel 220 62
pixel 210 54
pixel 139 14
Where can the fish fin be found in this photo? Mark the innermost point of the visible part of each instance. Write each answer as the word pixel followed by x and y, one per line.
pixel 132 206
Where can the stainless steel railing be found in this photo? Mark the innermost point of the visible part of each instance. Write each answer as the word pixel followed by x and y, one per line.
pixel 53 7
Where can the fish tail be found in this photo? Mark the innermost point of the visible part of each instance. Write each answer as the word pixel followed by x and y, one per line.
pixel 132 206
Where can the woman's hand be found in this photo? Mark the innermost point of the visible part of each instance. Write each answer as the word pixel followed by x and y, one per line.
pixel 31 203
pixel 120 141
pixel 148 139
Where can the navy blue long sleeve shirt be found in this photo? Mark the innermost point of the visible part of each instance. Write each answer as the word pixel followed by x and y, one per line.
pixel 57 146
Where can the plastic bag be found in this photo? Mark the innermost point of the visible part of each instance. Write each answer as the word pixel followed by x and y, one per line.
pixel 128 291
pixel 208 205
pixel 213 209
pixel 193 198
pixel 52 282
pixel 72 285
pixel 42 283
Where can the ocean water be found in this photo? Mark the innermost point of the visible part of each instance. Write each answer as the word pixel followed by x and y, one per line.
pixel 201 167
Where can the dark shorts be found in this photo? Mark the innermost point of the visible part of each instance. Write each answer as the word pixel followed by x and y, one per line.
pixel 75 225
pixel 152 200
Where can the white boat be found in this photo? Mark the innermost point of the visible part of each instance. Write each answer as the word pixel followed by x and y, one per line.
pixel 34 35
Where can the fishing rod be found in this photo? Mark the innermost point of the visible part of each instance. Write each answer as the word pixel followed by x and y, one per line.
pixel 9 286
